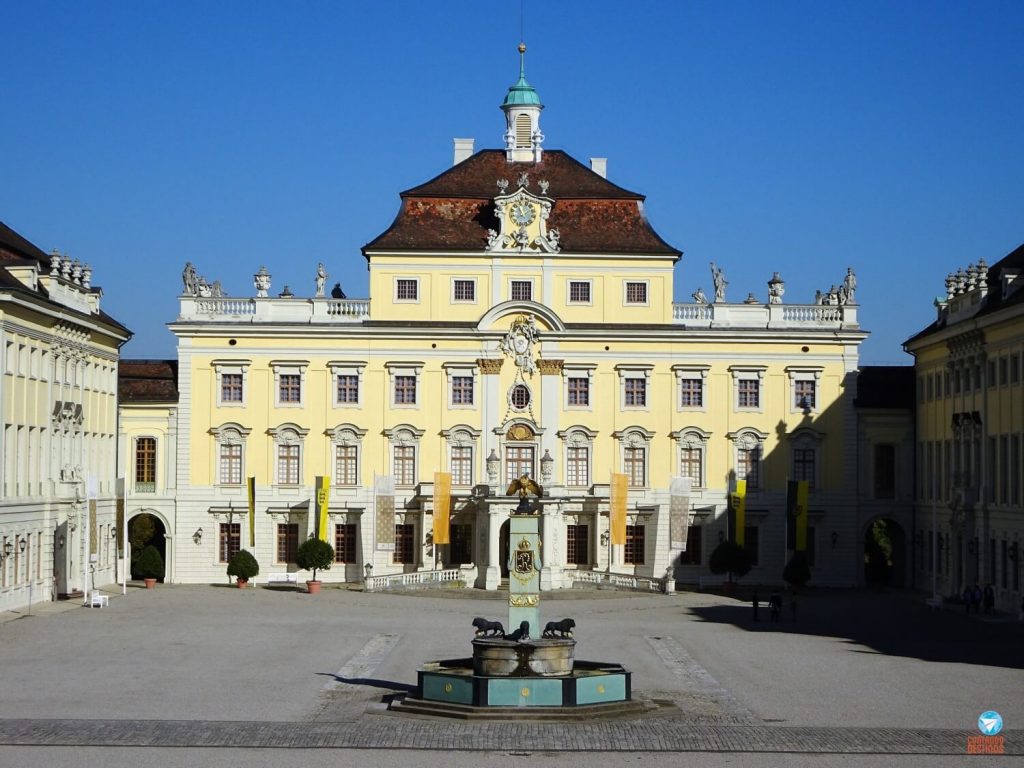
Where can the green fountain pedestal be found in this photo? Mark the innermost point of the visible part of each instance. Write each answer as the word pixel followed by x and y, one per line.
pixel 523 674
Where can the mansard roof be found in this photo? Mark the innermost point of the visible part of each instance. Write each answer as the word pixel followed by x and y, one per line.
pixel 454 210
pixel 16 251
pixel 147 381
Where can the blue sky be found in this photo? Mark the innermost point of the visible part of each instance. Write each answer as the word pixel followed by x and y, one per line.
pixel 802 137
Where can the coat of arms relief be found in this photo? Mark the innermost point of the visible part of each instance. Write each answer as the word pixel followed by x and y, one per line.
pixel 523 219
pixel 519 343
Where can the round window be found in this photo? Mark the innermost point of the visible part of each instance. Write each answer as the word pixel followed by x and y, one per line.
pixel 520 396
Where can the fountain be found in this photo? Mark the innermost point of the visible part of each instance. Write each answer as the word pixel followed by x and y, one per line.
pixel 527 672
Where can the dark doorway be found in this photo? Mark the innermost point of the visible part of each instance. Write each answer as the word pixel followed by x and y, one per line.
pixel 503 535
pixel 146 530
pixel 884 553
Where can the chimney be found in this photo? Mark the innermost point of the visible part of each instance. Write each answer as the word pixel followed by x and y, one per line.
pixel 599 165
pixel 463 150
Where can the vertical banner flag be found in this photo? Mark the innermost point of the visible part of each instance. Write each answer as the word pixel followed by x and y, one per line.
pixel 679 512
pixel 738 499
pixel 442 506
pixel 250 483
pixel 93 543
pixel 796 515
pixel 384 492
pixel 323 497
pixel 617 508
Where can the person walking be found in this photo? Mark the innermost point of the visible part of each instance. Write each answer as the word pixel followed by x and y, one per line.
pixel 968 597
pixel 756 602
pixel 989 598
pixel 775 606
pixel 976 596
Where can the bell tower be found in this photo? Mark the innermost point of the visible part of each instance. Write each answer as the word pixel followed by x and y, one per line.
pixel 523 137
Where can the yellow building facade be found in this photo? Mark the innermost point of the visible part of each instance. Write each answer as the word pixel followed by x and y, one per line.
pixel 58 398
pixel 521 320
pixel 970 430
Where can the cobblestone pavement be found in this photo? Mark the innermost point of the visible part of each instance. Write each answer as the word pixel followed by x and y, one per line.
pixel 392 732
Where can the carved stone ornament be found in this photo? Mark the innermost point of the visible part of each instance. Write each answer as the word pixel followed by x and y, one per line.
pixel 519 343
pixel 490 365
pixel 550 367
pixel 523 218
pixel 519 433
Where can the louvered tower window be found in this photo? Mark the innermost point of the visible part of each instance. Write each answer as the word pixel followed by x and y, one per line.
pixel 523 132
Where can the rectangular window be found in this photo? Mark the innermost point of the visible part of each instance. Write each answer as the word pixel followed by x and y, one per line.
pixel 930 387
pixel 577 467
pixel 462 465
pixel 405 465
pixel 1003 563
pixel 691 393
pixel 345 540
pixel 287 542
pixel 346 465
pixel 464 290
pixel 145 465
pixel 407 289
pixel 991 373
pixel 690 461
pixel 748 461
pixel 404 544
pixel 522 290
pixel 1014 369
pixel 229 541
pixel 635 393
pixel 462 390
pixel 633 553
pixel 1004 469
pixel 1002 372
pixel 290 388
pixel 230 464
pixel 803 465
pixel 636 293
pixel 288 465
pixel 348 389
pixel 518 462
pixel 579 292
pixel 405 390
pixel 812 548
pixel 577 544
pixel 749 393
pixel 634 463
pixel 579 390
pixel 804 394
pixel 885 471
pixel 231 387
pixel 692 555
pixel 460 551
pixel 1015 469
pixel 751 543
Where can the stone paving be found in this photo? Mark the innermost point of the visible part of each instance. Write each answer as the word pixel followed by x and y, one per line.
pixel 386 731
pixel 693 711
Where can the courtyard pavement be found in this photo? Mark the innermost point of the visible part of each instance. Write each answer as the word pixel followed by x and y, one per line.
pixel 200 674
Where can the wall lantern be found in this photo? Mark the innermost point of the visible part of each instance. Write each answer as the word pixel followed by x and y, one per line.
pixel 22 544
pixel 197 537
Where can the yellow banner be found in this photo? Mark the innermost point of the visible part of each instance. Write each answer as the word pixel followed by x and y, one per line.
pixel 442 507
pixel 617 507
pixel 801 516
pixel 739 508
pixel 251 485
pixel 323 498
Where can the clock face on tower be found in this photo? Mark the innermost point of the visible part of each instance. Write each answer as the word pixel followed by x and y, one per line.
pixel 522 214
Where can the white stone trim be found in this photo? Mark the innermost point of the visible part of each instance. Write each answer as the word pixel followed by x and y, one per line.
pixel 804 373
pixel 400 278
pixel 467 279
pixel 692 437
pixel 464 370
pixel 347 368
pixel 347 435
pixel 691 372
pixel 569 301
pixel 577 436
pixel 625 293
pixel 634 372
pixel 241 367
pixel 289 368
pixel 747 373
pixel 284 434
pixel 578 371
pixel 404 369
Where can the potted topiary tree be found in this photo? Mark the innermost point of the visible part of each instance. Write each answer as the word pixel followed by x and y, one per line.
pixel 149 565
pixel 314 555
pixel 729 557
pixel 243 566
pixel 797 571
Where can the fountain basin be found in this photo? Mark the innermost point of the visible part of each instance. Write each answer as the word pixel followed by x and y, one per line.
pixel 496 657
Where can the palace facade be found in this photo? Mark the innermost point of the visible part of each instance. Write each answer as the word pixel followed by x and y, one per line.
pixel 58 398
pixel 521 320
pixel 970 430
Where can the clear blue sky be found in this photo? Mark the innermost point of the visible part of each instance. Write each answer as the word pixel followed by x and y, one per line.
pixel 802 137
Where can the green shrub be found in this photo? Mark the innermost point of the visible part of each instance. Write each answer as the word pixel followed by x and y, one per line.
pixel 729 557
pixel 797 571
pixel 243 565
pixel 314 555
pixel 149 564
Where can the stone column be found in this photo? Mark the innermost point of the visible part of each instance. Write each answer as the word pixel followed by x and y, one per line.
pixel 550 562
pixel 492 576
pixel 550 407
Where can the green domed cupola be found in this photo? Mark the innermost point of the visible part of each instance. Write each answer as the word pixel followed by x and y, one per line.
pixel 522 108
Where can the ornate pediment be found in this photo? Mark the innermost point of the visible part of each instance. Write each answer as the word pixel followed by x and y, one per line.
pixel 523 218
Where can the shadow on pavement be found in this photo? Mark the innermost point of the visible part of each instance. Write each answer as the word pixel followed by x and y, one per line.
pixel 890 624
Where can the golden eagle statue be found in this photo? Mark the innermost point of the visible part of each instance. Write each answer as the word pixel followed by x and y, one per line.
pixel 523 486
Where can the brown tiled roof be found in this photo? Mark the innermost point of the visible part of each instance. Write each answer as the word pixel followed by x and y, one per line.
pixel 453 211
pixel 147 381
pixel 885 386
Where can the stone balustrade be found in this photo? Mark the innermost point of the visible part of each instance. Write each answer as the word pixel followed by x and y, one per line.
pixel 768 316
pixel 411 580
pixel 618 580
pixel 270 310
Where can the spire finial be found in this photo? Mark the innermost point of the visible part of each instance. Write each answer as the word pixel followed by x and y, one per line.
pixel 522 60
